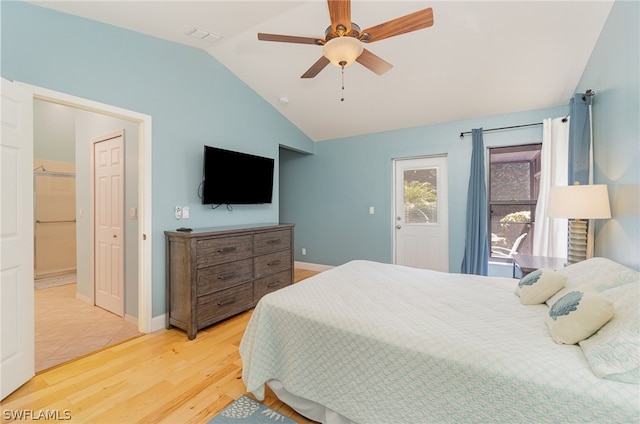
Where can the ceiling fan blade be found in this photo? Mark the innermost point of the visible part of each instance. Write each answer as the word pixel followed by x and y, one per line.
pixel 373 62
pixel 289 39
pixel 411 22
pixel 340 13
pixel 316 68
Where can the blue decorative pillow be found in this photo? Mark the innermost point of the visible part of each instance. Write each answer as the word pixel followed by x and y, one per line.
pixel 577 315
pixel 539 285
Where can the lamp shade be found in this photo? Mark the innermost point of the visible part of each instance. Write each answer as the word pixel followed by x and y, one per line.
pixel 579 202
pixel 342 51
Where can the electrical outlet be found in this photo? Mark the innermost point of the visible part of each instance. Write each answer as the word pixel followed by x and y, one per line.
pixel 304 251
pixel 178 212
pixel 185 212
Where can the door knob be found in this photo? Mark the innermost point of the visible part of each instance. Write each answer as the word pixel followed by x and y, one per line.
pixel 398 226
pixel 115 236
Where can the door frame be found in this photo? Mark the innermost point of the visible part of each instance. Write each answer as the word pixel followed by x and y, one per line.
pixel 394 194
pixel 146 323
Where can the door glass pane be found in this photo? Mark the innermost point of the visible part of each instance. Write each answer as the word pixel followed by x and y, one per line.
pixel 421 196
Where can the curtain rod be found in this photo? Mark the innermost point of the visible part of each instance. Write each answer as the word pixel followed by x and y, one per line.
pixel 588 93
pixel 462 134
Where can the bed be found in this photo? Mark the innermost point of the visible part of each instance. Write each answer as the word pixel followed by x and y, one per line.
pixel 368 342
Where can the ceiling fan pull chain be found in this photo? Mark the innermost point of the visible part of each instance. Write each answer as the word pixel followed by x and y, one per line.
pixel 342 98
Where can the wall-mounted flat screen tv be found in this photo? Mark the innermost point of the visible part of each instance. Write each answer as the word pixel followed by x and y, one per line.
pixel 231 177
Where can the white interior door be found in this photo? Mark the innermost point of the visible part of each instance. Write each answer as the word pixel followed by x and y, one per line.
pixel 421 223
pixel 108 169
pixel 16 239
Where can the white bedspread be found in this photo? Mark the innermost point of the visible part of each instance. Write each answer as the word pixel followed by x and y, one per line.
pixel 380 343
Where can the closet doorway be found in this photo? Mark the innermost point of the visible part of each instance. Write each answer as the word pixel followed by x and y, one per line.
pixel 67 323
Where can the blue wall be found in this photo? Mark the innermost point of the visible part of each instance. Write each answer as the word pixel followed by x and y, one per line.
pixel 614 73
pixel 193 100
pixel 328 194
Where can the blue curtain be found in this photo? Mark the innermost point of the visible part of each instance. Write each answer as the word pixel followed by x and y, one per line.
pixel 579 139
pixel 476 248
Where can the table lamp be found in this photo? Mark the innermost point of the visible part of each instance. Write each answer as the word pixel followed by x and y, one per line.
pixel 579 203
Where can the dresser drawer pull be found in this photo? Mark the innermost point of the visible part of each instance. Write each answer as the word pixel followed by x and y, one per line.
pixel 274 241
pixel 227 275
pixel 228 301
pixel 276 262
pixel 226 249
pixel 274 284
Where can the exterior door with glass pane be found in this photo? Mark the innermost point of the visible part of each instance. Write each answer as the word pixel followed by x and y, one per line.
pixel 421 230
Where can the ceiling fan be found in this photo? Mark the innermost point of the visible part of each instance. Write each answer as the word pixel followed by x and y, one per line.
pixel 343 41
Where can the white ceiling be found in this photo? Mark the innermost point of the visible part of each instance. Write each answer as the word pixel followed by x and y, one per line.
pixel 480 58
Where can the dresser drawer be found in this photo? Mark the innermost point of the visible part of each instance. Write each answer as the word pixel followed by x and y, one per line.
pixel 271 241
pixel 224 249
pixel 213 273
pixel 223 304
pixel 223 276
pixel 272 263
pixel 271 283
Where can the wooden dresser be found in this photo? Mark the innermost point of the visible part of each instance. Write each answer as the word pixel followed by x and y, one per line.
pixel 214 273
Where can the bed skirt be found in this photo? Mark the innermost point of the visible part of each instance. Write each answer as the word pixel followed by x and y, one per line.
pixel 312 410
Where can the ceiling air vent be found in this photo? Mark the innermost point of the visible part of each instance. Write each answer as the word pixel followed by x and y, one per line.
pixel 201 34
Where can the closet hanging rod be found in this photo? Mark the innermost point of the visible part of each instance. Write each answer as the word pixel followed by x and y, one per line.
pixel 54 174
pixel 55 222
pixel 462 134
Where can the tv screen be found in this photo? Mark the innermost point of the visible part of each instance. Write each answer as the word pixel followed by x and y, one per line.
pixel 236 178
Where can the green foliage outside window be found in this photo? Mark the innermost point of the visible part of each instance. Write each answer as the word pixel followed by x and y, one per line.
pixel 420 199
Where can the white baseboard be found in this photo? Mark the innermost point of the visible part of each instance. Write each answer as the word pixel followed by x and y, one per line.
pixel 85 299
pixel 312 267
pixel 159 322
pixel 131 319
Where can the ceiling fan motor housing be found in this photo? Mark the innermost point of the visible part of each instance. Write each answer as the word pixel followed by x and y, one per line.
pixel 343 40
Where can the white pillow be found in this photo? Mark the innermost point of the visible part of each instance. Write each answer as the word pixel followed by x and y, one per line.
pixel 539 285
pixel 614 351
pixel 594 275
pixel 577 315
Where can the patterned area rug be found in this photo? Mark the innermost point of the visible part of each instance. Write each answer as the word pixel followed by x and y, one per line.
pixel 246 410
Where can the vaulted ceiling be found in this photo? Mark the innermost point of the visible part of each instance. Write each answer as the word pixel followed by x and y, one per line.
pixel 480 58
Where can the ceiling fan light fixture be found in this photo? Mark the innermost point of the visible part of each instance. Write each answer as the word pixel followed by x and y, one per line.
pixel 342 51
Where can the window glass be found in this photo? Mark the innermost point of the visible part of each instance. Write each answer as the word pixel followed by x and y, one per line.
pixel 421 196
pixel 514 177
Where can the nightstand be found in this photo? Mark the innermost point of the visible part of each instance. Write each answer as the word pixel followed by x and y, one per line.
pixel 527 263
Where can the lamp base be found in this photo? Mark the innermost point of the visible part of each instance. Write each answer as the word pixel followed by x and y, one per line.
pixel 577 241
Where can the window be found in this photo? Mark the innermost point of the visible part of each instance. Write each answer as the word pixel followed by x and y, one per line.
pixel 514 182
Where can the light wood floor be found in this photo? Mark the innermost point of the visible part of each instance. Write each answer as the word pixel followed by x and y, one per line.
pixel 157 378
